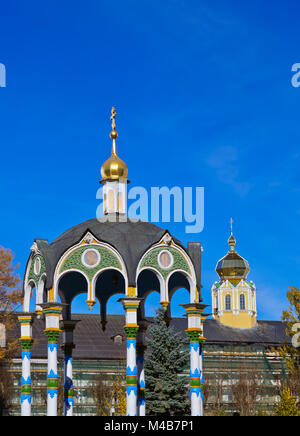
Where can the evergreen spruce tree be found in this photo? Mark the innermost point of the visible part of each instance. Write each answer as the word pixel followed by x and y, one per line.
pixel 167 390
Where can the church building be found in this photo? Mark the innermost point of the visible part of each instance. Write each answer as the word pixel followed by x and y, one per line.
pixel 112 255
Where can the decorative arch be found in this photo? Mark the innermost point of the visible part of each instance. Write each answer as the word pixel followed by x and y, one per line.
pixel 80 258
pixel 28 287
pixel 164 259
pixel 35 277
pixel 107 283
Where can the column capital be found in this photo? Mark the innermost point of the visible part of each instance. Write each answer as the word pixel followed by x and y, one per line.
pixel 52 335
pixel 52 312
pixel 131 331
pixel 143 325
pixel 130 303
pixel 26 317
pixel 68 325
pixel 52 308
pixel 26 343
pixel 26 320
pixel 194 334
pixel 195 308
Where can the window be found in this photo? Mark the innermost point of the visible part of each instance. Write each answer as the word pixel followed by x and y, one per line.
pixel 242 302
pixel 120 203
pixel 118 339
pixel 227 302
pixel 111 201
pixel 37 266
pixel 90 258
pixel 165 259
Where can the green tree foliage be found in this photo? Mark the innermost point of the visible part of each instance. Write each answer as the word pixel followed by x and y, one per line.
pixel 167 390
pixel 287 405
pixel 291 353
pixel 10 300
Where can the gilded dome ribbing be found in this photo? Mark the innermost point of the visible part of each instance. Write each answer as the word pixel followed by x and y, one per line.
pixel 232 267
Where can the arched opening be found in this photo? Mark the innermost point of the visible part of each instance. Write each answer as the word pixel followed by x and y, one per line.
pixel 151 304
pixel 179 288
pixel 71 284
pixel 179 296
pixel 41 296
pixel 113 307
pixel 79 305
pixel 32 299
pixel 29 299
pixel 109 287
pixel 147 282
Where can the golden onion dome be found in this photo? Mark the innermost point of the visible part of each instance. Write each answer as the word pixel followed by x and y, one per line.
pixel 232 267
pixel 114 168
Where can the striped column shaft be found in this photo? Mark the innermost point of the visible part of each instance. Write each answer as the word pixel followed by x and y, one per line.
pixel 68 327
pixel 141 347
pixel 26 395
pixel 195 333
pixel 131 372
pixel 52 312
pixel 26 342
pixel 141 402
pixel 68 386
pixel 195 387
pixel 52 378
pixel 201 342
pixel 131 328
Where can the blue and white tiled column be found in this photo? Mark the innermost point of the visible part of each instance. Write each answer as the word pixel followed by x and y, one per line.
pixel 131 328
pixel 52 312
pixel 26 342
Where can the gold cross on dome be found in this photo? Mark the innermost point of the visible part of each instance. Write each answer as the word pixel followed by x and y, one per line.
pixel 113 116
pixel 231 221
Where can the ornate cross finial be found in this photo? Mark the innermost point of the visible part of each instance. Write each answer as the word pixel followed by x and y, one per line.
pixel 113 133
pixel 113 116
pixel 231 240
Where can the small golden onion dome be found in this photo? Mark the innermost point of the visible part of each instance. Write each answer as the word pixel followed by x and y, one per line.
pixel 114 168
pixel 232 267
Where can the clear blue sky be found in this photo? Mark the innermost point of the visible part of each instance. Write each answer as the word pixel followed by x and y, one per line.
pixel 204 98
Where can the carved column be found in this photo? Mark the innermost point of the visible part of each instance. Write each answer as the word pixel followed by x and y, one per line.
pixel 26 342
pixel 131 305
